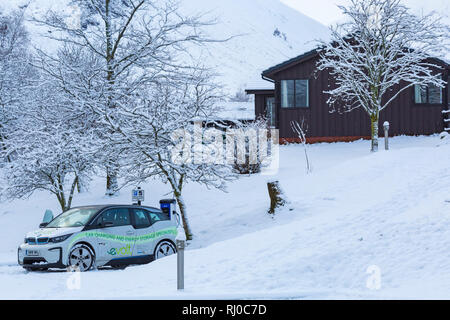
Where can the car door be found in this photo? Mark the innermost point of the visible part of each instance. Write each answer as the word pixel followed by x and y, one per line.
pixel 145 235
pixel 116 235
pixel 161 223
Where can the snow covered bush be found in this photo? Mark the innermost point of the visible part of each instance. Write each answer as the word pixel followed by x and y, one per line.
pixel 15 75
pixel 250 140
pixel 52 151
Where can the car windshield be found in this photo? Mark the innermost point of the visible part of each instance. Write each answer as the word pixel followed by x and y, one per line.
pixel 77 217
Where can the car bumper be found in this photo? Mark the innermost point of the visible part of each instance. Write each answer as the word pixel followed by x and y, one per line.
pixel 40 256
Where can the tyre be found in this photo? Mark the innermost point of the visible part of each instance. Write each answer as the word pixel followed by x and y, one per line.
pixel 81 257
pixel 164 248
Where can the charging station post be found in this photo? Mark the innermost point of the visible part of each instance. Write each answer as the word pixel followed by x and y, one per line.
pixel 181 244
pixel 138 196
pixel 168 206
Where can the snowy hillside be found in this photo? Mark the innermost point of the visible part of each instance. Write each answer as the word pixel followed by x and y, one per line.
pixel 266 32
pixel 356 212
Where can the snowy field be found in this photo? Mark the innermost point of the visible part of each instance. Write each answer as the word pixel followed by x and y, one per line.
pixel 389 210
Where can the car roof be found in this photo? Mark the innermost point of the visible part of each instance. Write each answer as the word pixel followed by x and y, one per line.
pixel 106 206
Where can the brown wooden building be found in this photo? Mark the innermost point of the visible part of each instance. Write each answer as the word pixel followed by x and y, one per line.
pixel 299 94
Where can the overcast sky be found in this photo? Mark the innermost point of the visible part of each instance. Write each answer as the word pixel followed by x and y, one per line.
pixel 327 12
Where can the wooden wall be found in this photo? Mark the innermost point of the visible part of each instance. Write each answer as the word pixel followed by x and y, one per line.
pixel 404 115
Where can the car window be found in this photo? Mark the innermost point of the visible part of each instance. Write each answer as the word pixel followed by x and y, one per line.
pixel 141 219
pixel 73 218
pixel 118 216
pixel 156 216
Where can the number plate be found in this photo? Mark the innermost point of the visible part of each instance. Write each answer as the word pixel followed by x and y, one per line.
pixel 32 253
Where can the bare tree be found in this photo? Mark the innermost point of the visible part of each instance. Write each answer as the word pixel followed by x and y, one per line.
pixel 300 129
pixel 379 53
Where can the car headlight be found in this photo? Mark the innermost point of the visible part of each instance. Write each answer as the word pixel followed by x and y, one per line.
pixel 60 238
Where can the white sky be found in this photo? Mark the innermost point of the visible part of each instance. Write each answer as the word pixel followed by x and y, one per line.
pixel 327 12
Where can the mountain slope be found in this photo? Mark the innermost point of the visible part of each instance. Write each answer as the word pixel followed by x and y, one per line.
pixel 265 33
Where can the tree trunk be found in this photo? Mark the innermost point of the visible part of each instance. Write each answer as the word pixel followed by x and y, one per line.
pixel 112 185
pixel 62 201
pixel 374 132
pixel 183 214
pixel 8 158
pixel 78 185
pixel 111 180
pixel 72 192
pixel 276 196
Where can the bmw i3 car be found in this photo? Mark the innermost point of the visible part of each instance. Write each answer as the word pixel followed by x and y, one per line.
pixel 97 236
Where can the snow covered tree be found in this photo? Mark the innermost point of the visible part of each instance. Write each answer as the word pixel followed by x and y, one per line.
pixel 380 52
pixel 52 151
pixel 15 74
pixel 136 41
pixel 158 136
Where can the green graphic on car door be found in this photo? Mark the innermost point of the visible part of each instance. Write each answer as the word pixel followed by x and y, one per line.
pixel 111 240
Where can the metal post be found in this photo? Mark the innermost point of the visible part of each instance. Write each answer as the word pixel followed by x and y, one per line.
pixel 139 201
pixel 386 135
pixel 180 264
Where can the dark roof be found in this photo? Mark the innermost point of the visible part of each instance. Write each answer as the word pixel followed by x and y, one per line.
pixel 290 62
pixel 312 53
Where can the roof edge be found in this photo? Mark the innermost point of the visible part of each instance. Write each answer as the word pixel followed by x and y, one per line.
pixel 288 63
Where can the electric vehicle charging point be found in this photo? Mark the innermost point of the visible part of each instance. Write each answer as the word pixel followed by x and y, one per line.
pixel 137 196
pixel 168 206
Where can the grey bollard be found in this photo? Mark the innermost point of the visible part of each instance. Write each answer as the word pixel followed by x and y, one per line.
pixel 181 244
pixel 386 135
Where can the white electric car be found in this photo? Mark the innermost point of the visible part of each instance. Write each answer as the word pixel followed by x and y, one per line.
pixel 109 235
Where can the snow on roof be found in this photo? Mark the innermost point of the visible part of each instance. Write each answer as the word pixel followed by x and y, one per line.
pixel 236 110
pixel 233 111
pixel 260 85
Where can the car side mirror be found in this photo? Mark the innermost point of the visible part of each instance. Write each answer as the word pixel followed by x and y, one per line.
pixel 48 216
pixel 43 224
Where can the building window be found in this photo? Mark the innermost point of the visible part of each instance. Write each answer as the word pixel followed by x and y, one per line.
pixel 294 93
pixel 270 112
pixel 427 94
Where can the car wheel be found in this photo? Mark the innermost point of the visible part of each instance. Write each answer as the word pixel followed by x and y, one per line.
pixel 81 257
pixel 164 248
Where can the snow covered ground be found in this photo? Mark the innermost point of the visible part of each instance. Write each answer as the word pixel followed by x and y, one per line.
pixel 389 211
